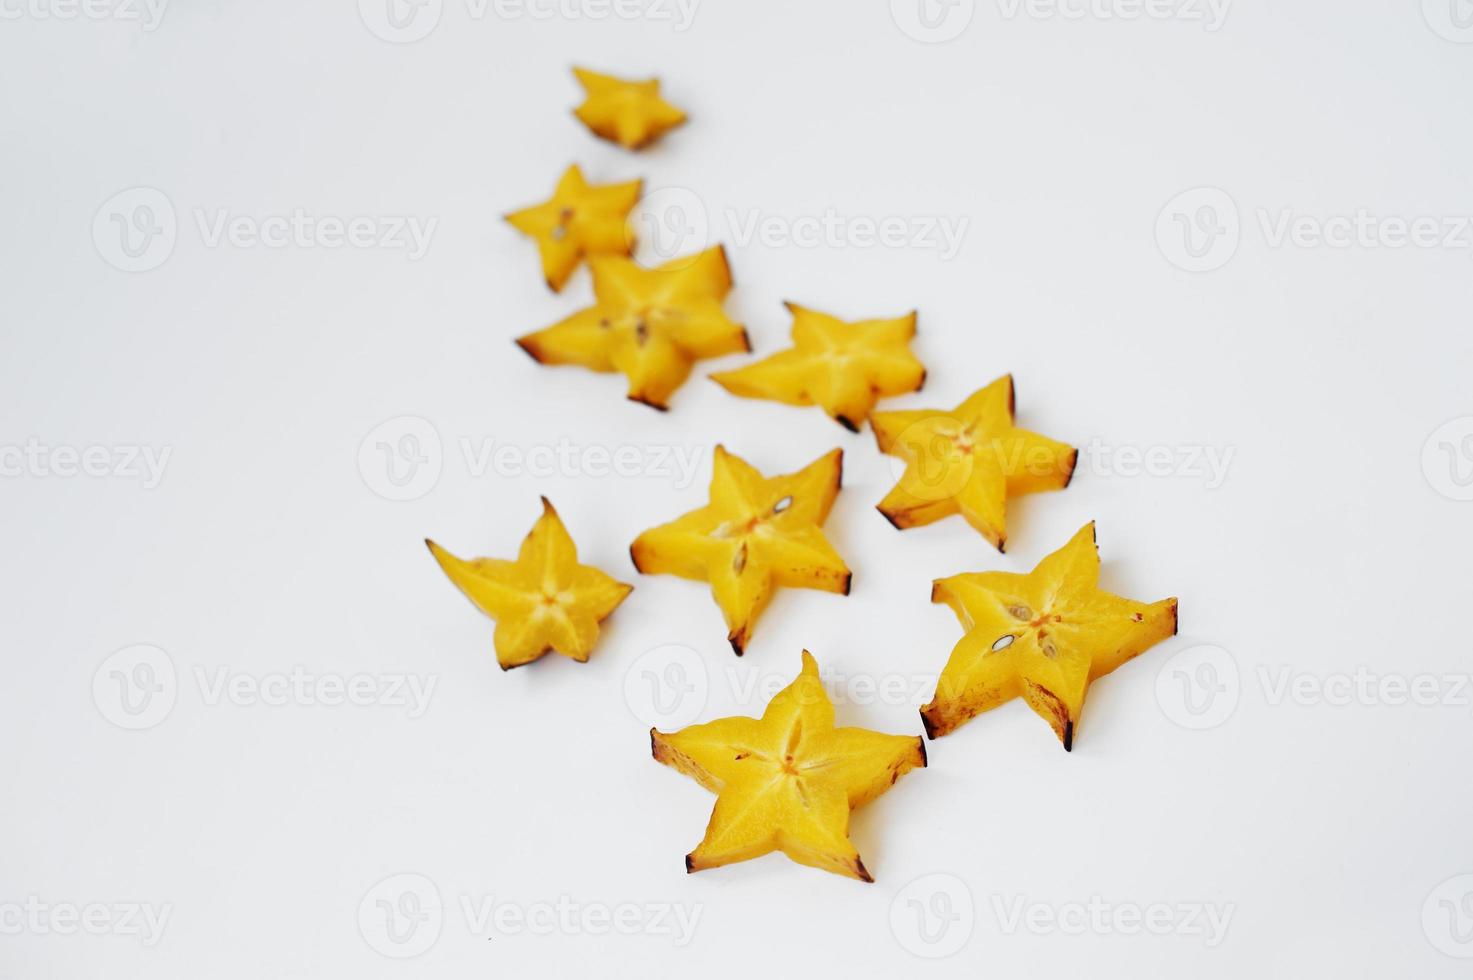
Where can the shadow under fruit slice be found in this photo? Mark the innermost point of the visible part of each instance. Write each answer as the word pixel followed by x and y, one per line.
pixel 630 113
pixel 542 601
pixel 1043 636
pixel 579 220
pixel 755 534
pixel 844 367
pixel 651 325
pixel 969 461
pixel 788 780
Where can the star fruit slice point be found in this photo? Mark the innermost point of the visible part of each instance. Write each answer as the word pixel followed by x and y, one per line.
pixel 788 781
pixel 969 460
pixel 1043 636
pixel 544 600
pixel 754 535
pixel 649 324
pixel 579 220
pixel 630 113
pixel 843 367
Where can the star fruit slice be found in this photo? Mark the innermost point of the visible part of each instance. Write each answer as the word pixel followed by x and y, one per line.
pixel 1043 636
pixel 651 325
pixel 579 220
pixel 787 781
pixel 755 534
pixel 844 367
pixel 542 601
pixel 630 113
pixel 969 461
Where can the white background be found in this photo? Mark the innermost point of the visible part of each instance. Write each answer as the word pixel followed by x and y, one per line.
pixel 1328 547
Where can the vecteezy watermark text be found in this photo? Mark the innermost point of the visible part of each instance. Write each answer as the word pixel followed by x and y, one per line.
pixel 148 14
pixel 33 458
pixel 143 921
pixel 1200 229
pixel 137 229
pixel 402 459
pixel 138 686
pixel 1211 14
pixel 407 21
pixel 403 915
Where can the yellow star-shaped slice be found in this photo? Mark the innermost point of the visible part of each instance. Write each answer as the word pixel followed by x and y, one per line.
pixel 755 534
pixel 649 324
pixel 969 460
pixel 845 367
pixel 1043 637
pixel 787 781
pixel 542 601
pixel 629 113
pixel 579 220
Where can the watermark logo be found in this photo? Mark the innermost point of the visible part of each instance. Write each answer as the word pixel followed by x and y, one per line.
pixel 136 687
pixel 401 459
pixel 933 917
pixel 1199 687
pixel 1447 459
pixel 667 687
pixel 932 21
pixel 400 21
pixel 1199 229
pixel 401 916
pixel 135 230
pixel 1447 917
pixel 1452 20
pixel 672 223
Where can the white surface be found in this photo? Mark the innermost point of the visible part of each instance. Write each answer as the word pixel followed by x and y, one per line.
pixel 1327 829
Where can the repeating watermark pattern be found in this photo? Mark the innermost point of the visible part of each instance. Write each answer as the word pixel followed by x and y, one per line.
pixel 147 14
pixel 932 21
pixel 1098 916
pixel 489 916
pixel 143 921
pixel 1199 230
pixel 942 471
pixel 1211 14
pixel 669 686
pixel 403 916
pixel 403 458
pixel 1447 917
pixel 300 687
pixel 137 688
pixel 407 21
pixel 1451 20
pixel 674 222
pixel 1447 459
pixel 1207 464
pixel 38 460
pixel 1199 687
pixel 137 229
pixel 934 916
